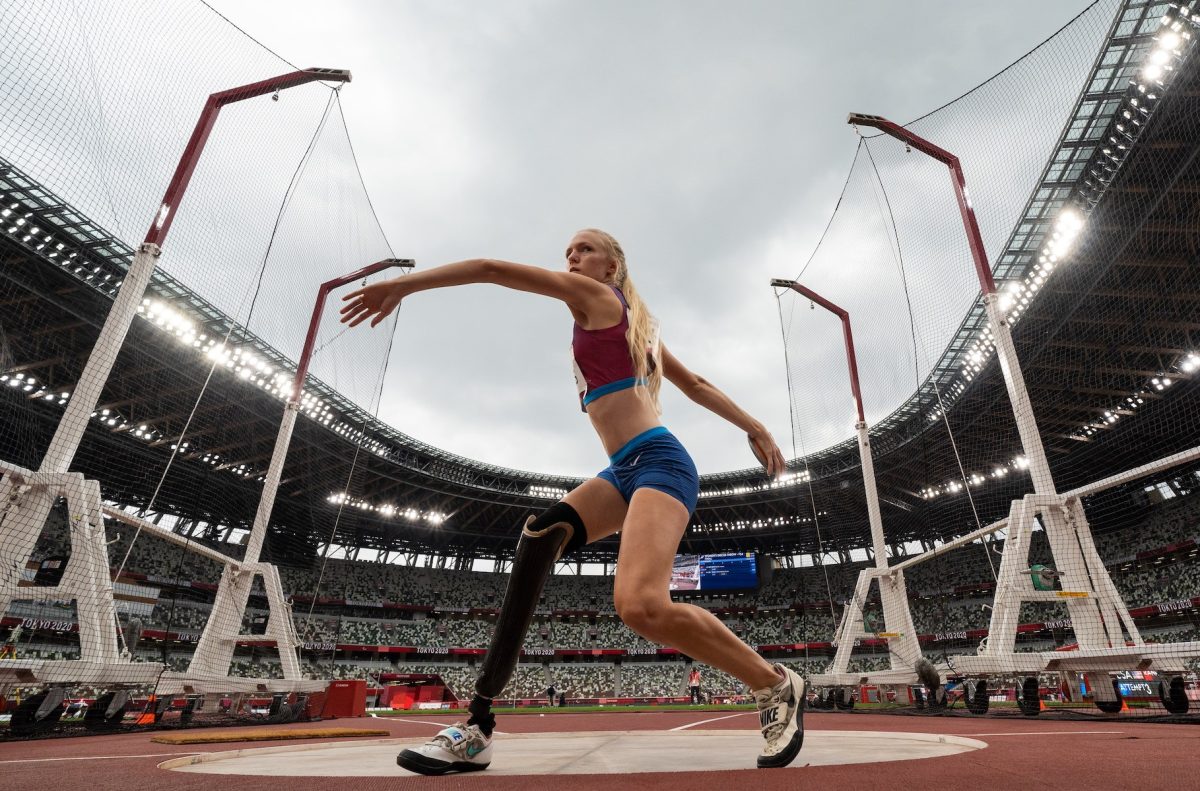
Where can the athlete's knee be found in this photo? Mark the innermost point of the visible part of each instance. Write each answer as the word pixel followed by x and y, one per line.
pixel 561 524
pixel 643 614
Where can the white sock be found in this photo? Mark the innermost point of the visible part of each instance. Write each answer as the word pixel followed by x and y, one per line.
pixel 777 686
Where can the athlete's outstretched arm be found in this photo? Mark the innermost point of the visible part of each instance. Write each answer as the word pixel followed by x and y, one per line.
pixel 704 393
pixel 377 301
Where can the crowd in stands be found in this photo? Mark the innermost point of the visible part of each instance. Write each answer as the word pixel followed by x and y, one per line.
pixel 353 603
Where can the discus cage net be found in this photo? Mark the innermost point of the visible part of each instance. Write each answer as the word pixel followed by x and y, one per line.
pixel 113 552
pixel 1075 449
pixel 1101 309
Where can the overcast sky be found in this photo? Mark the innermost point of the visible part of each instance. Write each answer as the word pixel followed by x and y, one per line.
pixel 708 137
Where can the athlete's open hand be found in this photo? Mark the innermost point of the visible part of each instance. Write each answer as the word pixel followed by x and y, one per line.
pixel 767 452
pixel 375 302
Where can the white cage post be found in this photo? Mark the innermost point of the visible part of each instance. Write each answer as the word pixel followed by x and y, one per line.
pixel 215 650
pixel 1108 639
pixel 27 498
pixel 903 648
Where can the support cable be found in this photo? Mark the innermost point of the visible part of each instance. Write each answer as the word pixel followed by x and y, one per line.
pixel 899 255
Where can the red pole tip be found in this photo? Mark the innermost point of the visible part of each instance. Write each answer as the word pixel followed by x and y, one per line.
pixel 332 75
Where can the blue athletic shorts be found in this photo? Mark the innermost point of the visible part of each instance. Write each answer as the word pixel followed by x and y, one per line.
pixel 654 459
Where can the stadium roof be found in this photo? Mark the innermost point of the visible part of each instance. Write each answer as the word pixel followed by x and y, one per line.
pixel 1121 316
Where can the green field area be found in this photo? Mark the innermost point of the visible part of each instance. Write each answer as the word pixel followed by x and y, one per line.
pixel 736 707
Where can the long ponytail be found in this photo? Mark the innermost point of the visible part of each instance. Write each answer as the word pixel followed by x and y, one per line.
pixel 644 347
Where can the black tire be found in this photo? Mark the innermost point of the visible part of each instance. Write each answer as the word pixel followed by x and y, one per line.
pixel 189 710
pixel 977 703
pixel 1112 706
pixel 24 720
pixel 1174 697
pixel 937 698
pixel 1028 701
pixel 280 711
pixel 161 707
pixel 94 719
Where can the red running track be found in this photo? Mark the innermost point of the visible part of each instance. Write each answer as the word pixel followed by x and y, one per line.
pixel 1021 754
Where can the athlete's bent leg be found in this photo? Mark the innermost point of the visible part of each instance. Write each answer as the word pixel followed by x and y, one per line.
pixel 591 511
pixel 459 748
pixel 649 540
pixel 544 539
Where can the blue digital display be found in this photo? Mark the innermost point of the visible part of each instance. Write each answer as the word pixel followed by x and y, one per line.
pixel 720 572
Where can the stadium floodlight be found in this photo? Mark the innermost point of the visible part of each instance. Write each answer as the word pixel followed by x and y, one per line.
pixel 903 649
pixel 1172 46
pixel 1174 35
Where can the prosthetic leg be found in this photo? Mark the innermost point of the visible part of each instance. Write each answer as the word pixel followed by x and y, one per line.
pixel 544 539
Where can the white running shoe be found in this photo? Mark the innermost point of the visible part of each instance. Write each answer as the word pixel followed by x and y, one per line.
pixel 781 718
pixel 459 748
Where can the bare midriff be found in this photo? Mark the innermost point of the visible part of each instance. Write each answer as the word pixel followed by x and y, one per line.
pixel 619 417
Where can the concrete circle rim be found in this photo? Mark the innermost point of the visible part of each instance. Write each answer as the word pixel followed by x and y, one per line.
pixel 951 744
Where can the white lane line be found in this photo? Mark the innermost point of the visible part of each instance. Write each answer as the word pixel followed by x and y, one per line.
pixel 91 758
pixel 1038 733
pixel 714 719
pixel 420 722
pixel 427 722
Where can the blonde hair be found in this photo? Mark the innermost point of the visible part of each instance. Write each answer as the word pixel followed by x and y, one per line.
pixel 642 335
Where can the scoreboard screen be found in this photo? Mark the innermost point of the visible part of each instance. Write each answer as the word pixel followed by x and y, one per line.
pixel 720 572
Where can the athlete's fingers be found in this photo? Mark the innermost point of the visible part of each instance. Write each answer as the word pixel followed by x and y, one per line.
pixel 779 462
pixel 355 293
pixel 385 310
pixel 772 457
pixel 359 317
pixel 379 315
pixel 352 312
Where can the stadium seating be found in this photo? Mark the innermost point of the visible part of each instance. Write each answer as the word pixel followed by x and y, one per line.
pixel 372 604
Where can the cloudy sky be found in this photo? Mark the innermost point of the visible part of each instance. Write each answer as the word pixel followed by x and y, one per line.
pixel 709 137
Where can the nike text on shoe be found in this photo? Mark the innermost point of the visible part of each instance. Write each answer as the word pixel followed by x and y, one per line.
pixel 459 748
pixel 781 718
